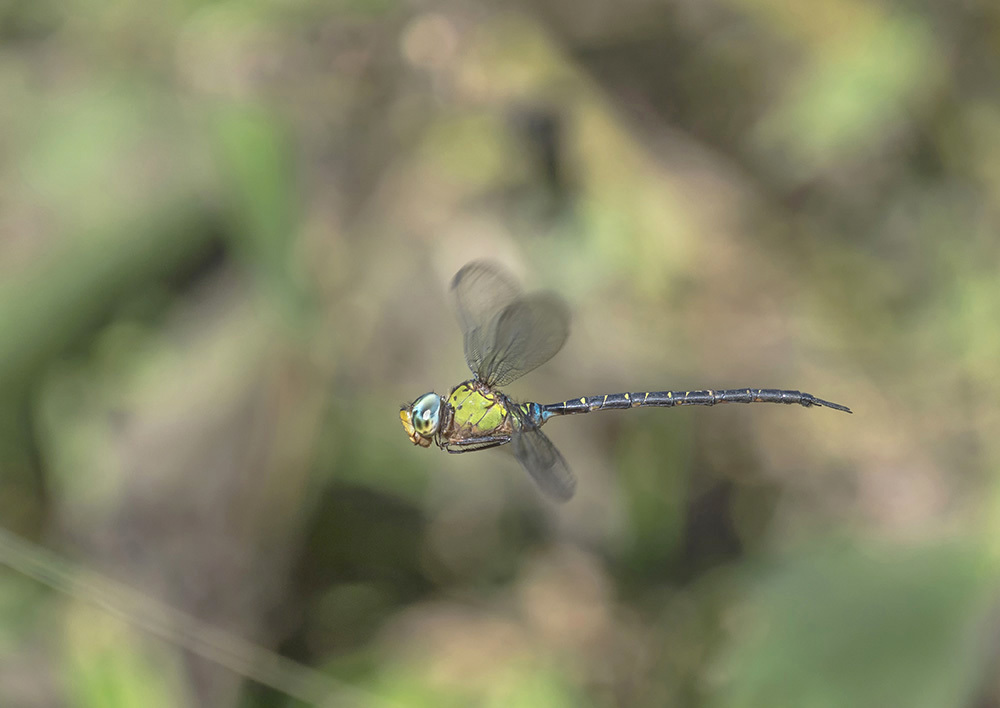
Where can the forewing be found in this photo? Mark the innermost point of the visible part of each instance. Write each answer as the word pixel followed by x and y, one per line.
pixel 525 335
pixel 481 291
pixel 543 461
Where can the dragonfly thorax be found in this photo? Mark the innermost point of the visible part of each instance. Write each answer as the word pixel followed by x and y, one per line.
pixel 422 419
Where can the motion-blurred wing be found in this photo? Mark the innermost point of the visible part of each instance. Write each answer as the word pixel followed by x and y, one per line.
pixel 524 336
pixel 480 292
pixel 505 333
pixel 542 460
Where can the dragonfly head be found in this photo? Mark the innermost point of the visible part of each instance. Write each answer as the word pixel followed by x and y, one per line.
pixel 422 418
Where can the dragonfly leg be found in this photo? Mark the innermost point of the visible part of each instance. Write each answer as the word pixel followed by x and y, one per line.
pixel 470 444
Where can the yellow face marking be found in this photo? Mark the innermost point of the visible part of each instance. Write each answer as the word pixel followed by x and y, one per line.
pixel 416 438
pixel 406 417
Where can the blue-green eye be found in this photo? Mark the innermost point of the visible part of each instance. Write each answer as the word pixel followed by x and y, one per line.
pixel 426 414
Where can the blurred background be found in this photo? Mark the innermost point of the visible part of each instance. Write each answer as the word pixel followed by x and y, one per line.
pixel 226 235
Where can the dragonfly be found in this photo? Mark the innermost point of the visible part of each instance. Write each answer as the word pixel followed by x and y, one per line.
pixel 507 333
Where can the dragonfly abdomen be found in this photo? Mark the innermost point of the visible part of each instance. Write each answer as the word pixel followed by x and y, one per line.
pixel 708 397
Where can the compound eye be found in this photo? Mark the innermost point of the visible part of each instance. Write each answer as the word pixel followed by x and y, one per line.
pixel 426 414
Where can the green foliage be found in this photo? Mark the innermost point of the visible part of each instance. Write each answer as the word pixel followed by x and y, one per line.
pixel 861 626
pixel 226 233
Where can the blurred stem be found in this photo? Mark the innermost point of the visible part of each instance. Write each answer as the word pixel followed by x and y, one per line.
pixel 256 158
pixel 23 496
pixel 67 295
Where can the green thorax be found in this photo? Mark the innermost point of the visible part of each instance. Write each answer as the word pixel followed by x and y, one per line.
pixel 477 410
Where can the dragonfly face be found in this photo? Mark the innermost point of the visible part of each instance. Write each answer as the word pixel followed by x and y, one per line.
pixel 422 419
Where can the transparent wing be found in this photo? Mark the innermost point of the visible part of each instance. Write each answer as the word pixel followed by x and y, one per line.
pixel 481 290
pixel 524 336
pixel 505 333
pixel 542 460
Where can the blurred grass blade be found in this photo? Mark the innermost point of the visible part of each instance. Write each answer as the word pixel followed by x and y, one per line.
pixel 179 628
